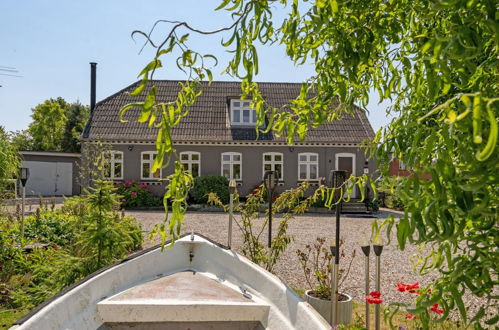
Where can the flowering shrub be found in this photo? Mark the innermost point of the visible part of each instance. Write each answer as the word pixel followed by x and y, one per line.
pixel 135 193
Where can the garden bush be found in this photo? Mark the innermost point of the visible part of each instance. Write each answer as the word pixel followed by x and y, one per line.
pixel 203 185
pixel 87 233
pixel 137 194
pixel 389 189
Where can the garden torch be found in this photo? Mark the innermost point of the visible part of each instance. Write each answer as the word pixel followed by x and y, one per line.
pixel 23 177
pixel 377 251
pixel 366 249
pixel 338 178
pixel 270 181
pixel 232 191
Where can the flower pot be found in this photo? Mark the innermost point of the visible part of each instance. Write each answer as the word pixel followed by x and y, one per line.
pixel 345 307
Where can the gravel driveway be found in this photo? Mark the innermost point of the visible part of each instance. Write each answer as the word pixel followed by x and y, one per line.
pixel 396 265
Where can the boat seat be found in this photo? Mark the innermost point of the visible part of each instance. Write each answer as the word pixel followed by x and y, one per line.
pixel 185 296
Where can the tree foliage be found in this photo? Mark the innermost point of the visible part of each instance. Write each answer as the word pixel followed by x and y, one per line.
pixel 9 159
pixel 437 61
pixel 57 126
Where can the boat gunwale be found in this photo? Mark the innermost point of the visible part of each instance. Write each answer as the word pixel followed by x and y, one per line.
pixel 132 256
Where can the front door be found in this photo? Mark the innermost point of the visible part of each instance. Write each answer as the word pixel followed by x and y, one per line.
pixel 346 163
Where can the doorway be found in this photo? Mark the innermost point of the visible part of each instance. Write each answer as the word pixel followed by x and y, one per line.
pixel 345 161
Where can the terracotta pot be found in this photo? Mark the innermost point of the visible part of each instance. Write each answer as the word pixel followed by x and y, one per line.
pixel 345 308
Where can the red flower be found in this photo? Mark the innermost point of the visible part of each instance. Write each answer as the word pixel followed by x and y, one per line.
pixel 402 287
pixel 409 316
pixel 375 294
pixel 435 309
pixel 372 300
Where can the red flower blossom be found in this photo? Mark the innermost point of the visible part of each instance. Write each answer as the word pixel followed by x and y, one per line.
pixel 435 309
pixel 375 294
pixel 402 287
pixel 409 316
pixel 372 300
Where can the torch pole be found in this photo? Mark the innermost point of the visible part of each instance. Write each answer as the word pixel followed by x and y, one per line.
pixel 366 250
pixel 22 213
pixel 270 192
pixel 377 250
pixel 231 210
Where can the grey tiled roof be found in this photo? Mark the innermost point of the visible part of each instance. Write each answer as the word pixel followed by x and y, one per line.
pixel 207 120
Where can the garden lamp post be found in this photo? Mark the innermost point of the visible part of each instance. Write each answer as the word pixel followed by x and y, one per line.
pixel 23 177
pixel 366 249
pixel 377 251
pixel 270 181
pixel 338 178
pixel 232 191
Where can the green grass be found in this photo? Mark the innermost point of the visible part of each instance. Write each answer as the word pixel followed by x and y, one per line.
pixel 9 316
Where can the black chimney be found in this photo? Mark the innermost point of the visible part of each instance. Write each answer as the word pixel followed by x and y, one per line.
pixel 93 69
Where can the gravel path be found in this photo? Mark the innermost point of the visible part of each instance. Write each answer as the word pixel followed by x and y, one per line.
pixel 396 265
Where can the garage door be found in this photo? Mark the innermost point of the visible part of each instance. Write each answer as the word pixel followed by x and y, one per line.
pixel 49 178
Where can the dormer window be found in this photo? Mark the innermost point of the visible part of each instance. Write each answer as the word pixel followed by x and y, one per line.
pixel 241 114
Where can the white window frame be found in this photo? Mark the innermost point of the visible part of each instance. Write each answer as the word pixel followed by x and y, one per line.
pixel 308 162
pixel 402 166
pixel 240 109
pixel 190 161
pixel 231 163
pixel 150 161
pixel 113 162
pixel 273 162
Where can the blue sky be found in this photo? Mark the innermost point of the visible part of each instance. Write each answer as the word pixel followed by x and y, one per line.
pixel 50 43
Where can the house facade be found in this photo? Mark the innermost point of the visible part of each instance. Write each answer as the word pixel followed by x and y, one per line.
pixel 218 137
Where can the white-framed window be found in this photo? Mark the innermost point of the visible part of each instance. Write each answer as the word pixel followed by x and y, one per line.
pixel 113 164
pixel 146 163
pixel 402 166
pixel 308 166
pixel 232 165
pixel 191 161
pixel 241 113
pixel 273 161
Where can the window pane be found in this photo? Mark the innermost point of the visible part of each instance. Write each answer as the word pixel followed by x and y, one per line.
pixel 246 104
pixel 313 158
pixel 146 156
pixel 278 169
pixel 313 171
pixel 254 116
pixel 237 171
pixel 184 156
pixel 303 172
pixel 226 171
pixel 117 170
pixel 236 116
pixel 246 116
pixel 157 174
pixel 303 158
pixel 117 156
pixel 236 158
pixel 236 104
pixel 226 158
pixel 195 156
pixel 186 166
pixel 277 158
pixel 267 158
pixel 145 170
pixel 267 167
pixel 195 170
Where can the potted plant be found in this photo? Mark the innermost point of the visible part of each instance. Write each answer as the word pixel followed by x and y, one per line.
pixel 316 262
